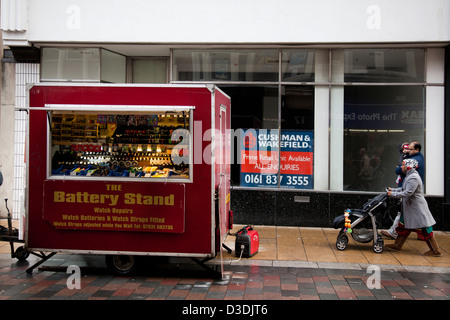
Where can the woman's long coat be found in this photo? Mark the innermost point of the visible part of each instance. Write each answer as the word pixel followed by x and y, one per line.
pixel 416 213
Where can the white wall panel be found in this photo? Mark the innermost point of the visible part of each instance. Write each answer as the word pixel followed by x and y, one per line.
pixel 237 21
pixel 434 140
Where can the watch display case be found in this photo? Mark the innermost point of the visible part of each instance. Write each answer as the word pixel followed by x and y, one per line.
pixel 133 145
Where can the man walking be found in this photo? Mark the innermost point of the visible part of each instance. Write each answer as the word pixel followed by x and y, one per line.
pixel 414 153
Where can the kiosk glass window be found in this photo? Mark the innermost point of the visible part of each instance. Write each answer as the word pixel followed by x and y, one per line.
pixel 150 145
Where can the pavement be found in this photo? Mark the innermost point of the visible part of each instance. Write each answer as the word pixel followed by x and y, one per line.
pixel 316 248
pixel 293 263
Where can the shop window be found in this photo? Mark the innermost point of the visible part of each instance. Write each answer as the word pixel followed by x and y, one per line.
pixel 225 65
pixel 297 66
pixel 374 119
pixel 113 67
pixel 264 156
pixel 149 70
pixel 82 64
pixel 151 145
pixel 384 65
pixel 253 107
pixel 377 120
pixel 297 107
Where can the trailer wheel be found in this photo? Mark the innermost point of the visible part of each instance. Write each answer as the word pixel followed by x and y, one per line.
pixel 21 254
pixel 121 264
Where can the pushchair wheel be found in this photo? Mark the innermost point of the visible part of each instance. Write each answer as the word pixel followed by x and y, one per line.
pixel 341 242
pixel 378 245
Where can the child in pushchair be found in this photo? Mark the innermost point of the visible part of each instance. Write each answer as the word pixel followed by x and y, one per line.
pixel 361 224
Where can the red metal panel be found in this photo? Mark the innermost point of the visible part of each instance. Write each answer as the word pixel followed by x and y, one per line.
pixel 114 206
pixel 193 238
pixel 222 116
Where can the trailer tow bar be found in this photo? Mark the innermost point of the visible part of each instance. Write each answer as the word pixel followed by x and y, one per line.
pixel 226 248
pixel 202 263
pixel 43 257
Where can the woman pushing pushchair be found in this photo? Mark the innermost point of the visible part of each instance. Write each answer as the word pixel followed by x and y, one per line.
pixel 416 214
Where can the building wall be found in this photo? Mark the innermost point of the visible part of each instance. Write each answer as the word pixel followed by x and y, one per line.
pixel 308 209
pixel 148 28
pixel 26 73
pixel 7 135
pixel 235 21
pixel 15 77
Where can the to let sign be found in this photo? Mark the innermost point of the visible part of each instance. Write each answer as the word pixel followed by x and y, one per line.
pixel 271 159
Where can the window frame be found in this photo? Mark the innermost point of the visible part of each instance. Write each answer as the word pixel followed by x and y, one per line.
pixel 116 109
pixel 99 75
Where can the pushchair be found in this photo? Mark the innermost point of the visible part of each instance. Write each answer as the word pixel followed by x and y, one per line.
pixel 361 224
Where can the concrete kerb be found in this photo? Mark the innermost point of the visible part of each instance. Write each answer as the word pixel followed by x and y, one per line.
pixel 328 265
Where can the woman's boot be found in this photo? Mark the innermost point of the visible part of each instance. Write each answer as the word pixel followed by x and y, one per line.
pixel 434 248
pixel 398 244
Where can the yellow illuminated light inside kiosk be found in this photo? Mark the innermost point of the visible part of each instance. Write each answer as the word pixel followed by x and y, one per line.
pixel 139 145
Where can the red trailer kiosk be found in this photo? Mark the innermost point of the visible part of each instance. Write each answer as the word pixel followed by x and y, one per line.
pixel 127 170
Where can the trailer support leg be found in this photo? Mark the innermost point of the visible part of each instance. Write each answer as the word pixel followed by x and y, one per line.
pixel 202 264
pixel 11 244
pixel 226 248
pixel 43 257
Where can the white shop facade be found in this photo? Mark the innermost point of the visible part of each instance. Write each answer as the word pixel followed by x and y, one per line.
pixel 354 78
